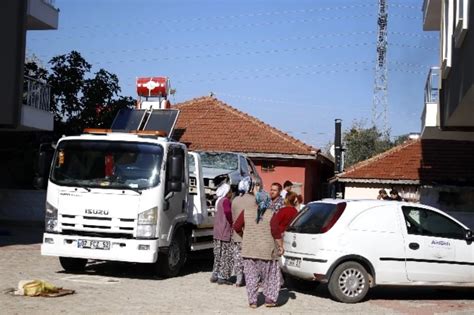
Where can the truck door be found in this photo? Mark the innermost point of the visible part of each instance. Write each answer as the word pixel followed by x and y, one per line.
pixel 197 208
pixel 436 248
pixel 174 209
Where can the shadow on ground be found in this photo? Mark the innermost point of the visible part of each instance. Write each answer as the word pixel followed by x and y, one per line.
pixel 197 262
pixel 14 234
pixel 393 292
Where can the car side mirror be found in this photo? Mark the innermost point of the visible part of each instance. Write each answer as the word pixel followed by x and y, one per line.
pixel 469 236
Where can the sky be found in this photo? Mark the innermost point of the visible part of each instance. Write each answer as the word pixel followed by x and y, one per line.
pixel 296 65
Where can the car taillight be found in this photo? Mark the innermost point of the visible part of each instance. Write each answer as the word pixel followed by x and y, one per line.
pixel 336 215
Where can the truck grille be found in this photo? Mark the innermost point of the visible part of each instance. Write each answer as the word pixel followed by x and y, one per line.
pixel 97 226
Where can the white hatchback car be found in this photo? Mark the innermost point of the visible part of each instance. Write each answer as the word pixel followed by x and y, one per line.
pixel 354 245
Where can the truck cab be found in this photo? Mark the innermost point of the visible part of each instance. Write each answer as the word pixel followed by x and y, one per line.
pixel 118 196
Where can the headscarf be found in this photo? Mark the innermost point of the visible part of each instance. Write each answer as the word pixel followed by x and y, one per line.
pixel 263 202
pixel 222 190
pixel 244 185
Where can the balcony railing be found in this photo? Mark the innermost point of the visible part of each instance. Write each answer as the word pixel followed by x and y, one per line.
pixel 36 94
pixel 432 85
pixel 50 2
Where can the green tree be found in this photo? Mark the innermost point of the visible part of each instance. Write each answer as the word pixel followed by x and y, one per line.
pixel 79 99
pixel 362 143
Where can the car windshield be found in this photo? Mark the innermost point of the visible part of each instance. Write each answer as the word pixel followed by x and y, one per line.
pixel 312 218
pixel 226 161
pixel 107 164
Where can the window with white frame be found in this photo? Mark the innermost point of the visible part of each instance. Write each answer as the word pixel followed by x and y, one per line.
pixel 461 24
pixel 447 25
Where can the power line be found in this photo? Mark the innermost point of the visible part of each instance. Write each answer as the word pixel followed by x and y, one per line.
pixel 139 21
pixel 244 53
pixel 213 27
pixel 231 43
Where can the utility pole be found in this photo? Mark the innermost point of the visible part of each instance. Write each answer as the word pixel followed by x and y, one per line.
pixel 380 97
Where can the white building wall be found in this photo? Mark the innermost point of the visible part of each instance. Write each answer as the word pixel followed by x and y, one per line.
pixel 371 191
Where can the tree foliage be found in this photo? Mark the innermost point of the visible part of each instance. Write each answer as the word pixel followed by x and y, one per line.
pixel 80 99
pixel 362 143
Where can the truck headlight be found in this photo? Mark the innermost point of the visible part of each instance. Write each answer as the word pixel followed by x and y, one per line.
pixel 147 223
pixel 51 218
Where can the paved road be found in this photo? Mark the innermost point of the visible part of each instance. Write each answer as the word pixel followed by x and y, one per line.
pixel 127 288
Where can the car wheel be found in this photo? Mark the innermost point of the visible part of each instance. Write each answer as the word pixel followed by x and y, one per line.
pixel 349 283
pixel 169 263
pixel 73 264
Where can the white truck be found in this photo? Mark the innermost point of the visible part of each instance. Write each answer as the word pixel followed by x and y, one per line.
pixel 132 195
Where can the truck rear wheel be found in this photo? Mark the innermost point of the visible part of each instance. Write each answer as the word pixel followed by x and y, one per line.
pixel 170 261
pixel 73 264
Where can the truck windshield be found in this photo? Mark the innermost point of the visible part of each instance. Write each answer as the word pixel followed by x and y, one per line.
pixel 226 161
pixel 107 164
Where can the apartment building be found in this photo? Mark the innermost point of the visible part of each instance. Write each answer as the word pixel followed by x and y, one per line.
pixel 449 91
pixel 25 102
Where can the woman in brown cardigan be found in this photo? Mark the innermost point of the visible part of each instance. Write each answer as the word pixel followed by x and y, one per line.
pixel 259 252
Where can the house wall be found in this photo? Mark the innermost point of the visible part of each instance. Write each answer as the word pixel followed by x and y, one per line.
pixel 282 170
pixel 13 32
pixel 371 191
pixel 457 201
pixel 457 92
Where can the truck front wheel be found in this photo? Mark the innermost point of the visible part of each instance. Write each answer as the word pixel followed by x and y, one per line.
pixel 170 261
pixel 73 264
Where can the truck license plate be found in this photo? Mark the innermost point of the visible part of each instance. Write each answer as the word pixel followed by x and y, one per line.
pixel 293 262
pixel 92 244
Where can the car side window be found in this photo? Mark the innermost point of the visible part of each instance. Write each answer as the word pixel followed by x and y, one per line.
pixel 430 223
pixel 244 169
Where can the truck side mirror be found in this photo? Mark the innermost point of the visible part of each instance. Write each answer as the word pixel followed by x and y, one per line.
pixel 176 173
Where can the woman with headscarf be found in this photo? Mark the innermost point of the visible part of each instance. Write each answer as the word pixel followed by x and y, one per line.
pixel 259 252
pixel 283 218
pixel 223 261
pixel 244 200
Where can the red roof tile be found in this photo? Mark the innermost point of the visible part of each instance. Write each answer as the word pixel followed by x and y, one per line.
pixel 208 124
pixel 427 161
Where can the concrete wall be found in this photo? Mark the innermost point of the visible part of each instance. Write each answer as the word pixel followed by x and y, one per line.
pixel 13 34
pixel 22 206
pixel 371 191
pixel 293 171
pixel 457 107
pixel 457 201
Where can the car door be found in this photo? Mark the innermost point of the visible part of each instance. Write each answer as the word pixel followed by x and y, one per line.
pixel 435 247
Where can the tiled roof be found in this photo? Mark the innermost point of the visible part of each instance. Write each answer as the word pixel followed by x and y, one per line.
pixel 427 161
pixel 208 124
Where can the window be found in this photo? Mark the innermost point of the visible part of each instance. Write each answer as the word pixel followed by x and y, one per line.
pixel 446 36
pixel 244 168
pixel 461 25
pixel 430 223
pixel 268 167
pixel 316 218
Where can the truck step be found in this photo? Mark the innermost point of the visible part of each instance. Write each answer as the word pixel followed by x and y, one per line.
pixel 202 232
pixel 201 246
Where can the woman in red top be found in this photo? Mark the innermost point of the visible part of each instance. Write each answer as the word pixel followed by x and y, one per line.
pixel 283 218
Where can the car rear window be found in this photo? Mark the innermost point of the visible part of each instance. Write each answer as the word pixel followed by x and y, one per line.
pixel 316 218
